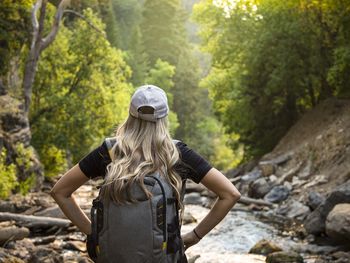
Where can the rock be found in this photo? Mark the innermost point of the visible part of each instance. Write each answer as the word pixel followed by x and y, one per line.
pixel 54 211
pixel 6 258
pixel 277 194
pixel 306 171
pixel 284 257
pixel 6 206
pixel 264 247
pixel 193 199
pixel 273 178
pixel 232 173
pixel 314 199
pixel 252 176
pixel 45 255
pixel 75 245
pixel 188 218
pixel 259 188
pixel 208 193
pixel 14 130
pixel 193 187
pixel 341 257
pixel 13 233
pixel 288 185
pixel 288 176
pixel 267 168
pixel 44 240
pixel 315 222
pixel 338 223
pixel 294 209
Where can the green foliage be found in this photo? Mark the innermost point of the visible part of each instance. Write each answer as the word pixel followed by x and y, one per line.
pixel 24 162
pixel 214 144
pixel 127 16
pixel 8 179
pixel 53 159
pixel 272 61
pixel 25 186
pixel 24 156
pixel 161 75
pixel 163 34
pixel 14 30
pixel 81 90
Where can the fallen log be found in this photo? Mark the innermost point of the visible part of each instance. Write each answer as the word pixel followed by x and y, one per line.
pixel 34 221
pixel 247 201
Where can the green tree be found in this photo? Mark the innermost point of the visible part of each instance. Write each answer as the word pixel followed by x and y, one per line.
pixel 272 61
pixel 81 90
pixel 161 75
pixel 14 20
pixel 163 30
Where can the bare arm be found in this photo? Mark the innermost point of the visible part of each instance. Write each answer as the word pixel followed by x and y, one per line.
pixel 227 194
pixel 62 193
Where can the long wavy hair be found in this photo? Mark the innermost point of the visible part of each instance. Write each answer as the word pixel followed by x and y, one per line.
pixel 142 147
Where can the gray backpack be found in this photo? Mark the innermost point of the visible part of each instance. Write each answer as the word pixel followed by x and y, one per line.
pixel 148 231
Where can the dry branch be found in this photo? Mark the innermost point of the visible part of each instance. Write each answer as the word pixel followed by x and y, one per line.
pixel 34 221
pixel 248 201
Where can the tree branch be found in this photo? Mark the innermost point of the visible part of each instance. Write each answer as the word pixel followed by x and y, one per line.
pixel 35 22
pixel 56 24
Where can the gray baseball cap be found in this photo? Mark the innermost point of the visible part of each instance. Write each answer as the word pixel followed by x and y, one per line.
pixel 151 96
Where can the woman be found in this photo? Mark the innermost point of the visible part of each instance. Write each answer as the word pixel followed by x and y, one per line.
pixel 144 146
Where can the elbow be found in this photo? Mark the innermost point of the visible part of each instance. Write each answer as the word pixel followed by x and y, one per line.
pixel 234 196
pixel 56 195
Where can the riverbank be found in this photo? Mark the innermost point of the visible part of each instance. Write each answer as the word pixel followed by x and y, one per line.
pixel 228 242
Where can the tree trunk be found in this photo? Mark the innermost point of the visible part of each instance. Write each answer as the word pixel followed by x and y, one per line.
pixel 38 44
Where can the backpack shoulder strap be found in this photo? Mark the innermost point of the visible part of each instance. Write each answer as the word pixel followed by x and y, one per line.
pixel 110 142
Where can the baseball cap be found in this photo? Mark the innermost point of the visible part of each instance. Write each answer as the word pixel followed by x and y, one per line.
pixel 150 96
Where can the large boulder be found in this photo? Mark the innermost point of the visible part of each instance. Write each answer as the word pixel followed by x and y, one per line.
pixel 315 222
pixel 338 223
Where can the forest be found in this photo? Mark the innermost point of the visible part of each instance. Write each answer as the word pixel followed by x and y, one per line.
pixel 238 75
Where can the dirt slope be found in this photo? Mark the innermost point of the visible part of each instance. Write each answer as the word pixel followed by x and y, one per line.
pixel 320 140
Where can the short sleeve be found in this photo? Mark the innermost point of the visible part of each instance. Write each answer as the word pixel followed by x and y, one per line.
pixel 196 166
pixel 94 163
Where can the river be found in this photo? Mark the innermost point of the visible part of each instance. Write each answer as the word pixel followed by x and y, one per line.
pixel 231 240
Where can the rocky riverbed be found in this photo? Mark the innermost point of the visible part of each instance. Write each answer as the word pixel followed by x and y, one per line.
pixel 229 242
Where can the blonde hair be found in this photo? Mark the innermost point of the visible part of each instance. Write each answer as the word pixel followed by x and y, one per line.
pixel 142 147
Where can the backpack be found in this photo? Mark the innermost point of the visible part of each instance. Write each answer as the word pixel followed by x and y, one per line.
pixel 148 231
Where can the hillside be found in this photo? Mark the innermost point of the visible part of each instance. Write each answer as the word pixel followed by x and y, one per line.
pixel 320 144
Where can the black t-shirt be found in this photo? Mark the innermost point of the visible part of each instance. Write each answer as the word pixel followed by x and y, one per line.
pixel 192 165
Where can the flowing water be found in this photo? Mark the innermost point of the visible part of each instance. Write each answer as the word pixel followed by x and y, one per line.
pixel 231 240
